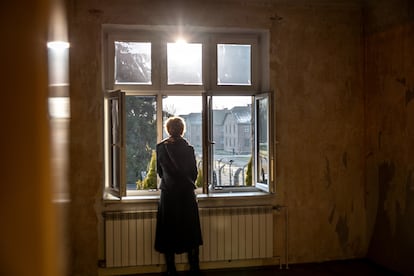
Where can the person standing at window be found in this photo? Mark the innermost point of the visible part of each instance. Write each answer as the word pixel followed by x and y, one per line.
pixel 178 223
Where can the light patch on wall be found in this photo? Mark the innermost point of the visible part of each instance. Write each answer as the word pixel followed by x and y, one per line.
pixel 58 45
pixel 59 107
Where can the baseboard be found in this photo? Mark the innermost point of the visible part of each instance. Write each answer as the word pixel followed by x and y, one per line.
pixel 183 267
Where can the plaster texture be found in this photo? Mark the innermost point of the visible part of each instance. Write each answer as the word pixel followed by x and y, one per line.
pixel 390 131
pixel 325 173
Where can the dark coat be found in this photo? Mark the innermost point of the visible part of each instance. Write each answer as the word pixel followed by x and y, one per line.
pixel 178 224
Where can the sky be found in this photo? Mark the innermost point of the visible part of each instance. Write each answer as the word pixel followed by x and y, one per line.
pixel 183 105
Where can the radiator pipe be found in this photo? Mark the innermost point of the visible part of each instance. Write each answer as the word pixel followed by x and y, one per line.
pixel 279 208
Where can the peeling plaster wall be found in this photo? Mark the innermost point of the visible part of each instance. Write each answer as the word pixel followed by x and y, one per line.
pixel 316 58
pixel 317 73
pixel 390 130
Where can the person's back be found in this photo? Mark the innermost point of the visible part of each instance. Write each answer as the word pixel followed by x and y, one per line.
pixel 178 224
pixel 176 163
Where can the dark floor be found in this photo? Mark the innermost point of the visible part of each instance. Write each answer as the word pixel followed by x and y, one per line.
pixel 338 268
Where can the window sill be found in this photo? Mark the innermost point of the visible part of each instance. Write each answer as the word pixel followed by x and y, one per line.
pixel 226 198
pixel 108 198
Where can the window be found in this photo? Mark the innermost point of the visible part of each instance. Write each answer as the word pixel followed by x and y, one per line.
pixel 184 63
pixel 262 141
pixel 230 163
pixel 212 82
pixel 132 62
pixel 233 64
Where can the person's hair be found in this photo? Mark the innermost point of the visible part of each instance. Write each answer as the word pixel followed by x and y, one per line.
pixel 175 126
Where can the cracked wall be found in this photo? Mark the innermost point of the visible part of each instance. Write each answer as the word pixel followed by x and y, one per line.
pixel 316 61
pixel 390 130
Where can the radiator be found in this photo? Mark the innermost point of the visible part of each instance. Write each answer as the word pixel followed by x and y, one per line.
pixel 240 233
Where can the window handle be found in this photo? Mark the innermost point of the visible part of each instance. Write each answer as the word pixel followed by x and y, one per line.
pixel 212 142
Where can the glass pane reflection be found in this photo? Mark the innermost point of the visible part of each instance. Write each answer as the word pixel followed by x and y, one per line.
pixel 232 134
pixel 233 64
pixel 184 63
pixel 141 138
pixel 262 141
pixel 132 62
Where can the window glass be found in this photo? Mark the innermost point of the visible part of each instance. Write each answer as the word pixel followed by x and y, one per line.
pixel 262 141
pixel 233 64
pixel 189 108
pixel 232 150
pixel 153 74
pixel 115 144
pixel 141 138
pixel 184 62
pixel 132 62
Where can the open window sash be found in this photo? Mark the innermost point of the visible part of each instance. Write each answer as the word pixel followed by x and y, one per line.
pixel 263 169
pixel 115 142
pixel 208 142
pixel 219 168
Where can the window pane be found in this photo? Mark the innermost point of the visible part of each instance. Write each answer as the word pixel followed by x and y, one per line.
pixel 184 63
pixel 188 108
pixel 132 62
pixel 232 133
pixel 233 64
pixel 262 142
pixel 115 145
pixel 141 138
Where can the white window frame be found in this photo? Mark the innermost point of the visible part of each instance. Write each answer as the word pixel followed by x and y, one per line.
pixel 109 39
pixel 270 160
pixel 165 87
pixel 241 39
pixel 159 37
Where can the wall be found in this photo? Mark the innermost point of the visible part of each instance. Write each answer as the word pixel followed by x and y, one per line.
pixel 316 56
pixel 316 69
pixel 28 231
pixel 390 130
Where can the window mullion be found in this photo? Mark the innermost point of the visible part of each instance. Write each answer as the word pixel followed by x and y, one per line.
pixel 160 115
pixel 207 142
